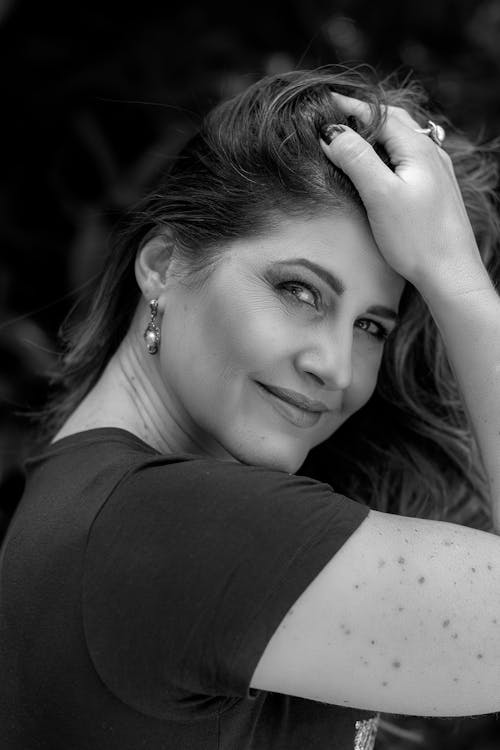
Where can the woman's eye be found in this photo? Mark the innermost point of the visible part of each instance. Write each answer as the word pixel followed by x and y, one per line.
pixel 378 330
pixel 302 292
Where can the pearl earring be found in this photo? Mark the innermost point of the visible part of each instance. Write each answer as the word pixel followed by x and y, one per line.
pixel 152 332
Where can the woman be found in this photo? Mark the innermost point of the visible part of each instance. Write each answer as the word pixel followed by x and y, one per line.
pixel 177 574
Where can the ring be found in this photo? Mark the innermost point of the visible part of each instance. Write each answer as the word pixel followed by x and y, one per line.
pixel 435 132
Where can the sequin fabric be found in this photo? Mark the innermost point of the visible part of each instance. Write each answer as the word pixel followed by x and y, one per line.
pixel 366 733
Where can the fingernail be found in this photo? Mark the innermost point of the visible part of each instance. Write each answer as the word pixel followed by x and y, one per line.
pixel 329 132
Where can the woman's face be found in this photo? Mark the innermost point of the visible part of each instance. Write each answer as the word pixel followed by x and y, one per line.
pixel 304 310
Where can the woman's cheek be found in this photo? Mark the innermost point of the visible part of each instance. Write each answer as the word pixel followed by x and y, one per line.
pixel 258 337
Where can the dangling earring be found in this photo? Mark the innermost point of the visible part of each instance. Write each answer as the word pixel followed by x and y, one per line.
pixel 152 332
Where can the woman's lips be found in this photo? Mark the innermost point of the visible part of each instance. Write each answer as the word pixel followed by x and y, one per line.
pixel 296 399
pixel 294 414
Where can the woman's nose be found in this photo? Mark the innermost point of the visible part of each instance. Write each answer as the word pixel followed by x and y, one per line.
pixel 329 362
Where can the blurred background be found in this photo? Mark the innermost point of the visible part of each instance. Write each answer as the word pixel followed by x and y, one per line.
pixel 97 97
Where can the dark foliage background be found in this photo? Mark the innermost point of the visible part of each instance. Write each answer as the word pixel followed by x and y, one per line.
pixel 97 97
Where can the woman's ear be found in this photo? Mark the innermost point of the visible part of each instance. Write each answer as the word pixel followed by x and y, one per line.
pixel 153 261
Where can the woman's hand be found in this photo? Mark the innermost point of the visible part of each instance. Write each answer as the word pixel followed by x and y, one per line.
pixel 416 213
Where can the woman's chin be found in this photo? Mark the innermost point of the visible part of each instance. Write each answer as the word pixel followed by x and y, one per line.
pixel 278 458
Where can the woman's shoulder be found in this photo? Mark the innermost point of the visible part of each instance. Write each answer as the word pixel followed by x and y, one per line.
pixel 133 473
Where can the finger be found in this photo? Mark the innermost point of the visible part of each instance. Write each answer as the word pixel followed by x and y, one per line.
pixel 364 112
pixel 398 132
pixel 356 157
pixel 354 107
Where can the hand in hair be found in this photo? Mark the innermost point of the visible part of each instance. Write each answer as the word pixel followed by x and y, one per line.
pixel 416 211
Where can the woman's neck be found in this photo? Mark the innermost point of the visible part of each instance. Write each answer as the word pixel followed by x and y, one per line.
pixel 128 395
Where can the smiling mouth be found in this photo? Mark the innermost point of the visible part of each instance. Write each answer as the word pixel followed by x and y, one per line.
pixel 296 415
pixel 296 399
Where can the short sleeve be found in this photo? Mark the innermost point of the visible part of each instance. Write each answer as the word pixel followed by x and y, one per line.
pixel 189 569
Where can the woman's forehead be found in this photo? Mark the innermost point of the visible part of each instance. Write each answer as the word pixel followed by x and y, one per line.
pixel 338 247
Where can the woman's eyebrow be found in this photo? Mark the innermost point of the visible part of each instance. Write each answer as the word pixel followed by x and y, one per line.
pixel 336 284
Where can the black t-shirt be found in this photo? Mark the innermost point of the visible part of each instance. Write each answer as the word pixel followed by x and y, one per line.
pixel 138 592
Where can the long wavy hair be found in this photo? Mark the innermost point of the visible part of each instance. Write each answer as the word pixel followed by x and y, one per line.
pixel 256 157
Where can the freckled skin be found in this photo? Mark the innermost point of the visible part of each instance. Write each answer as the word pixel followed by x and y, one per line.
pixel 446 623
pixel 401 560
pixel 384 684
pixel 455 679
pixel 455 636
pixel 473 570
pixel 421 579
pixel 479 656
pixel 381 563
pixel 396 664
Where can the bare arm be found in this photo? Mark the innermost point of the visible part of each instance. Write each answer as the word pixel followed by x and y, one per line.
pixel 469 322
pixel 421 227
pixel 406 617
